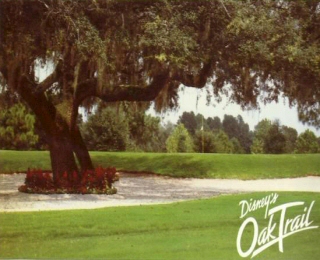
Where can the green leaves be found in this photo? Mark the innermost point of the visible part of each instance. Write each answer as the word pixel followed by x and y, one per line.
pixel 307 143
pixel 258 48
pixel 106 130
pixel 271 137
pixel 179 141
pixel 17 128
pixel 166 39
pixel 123 127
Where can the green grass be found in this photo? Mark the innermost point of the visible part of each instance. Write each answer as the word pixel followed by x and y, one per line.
pixel 182 165
pixel 19 161
pixel 201 229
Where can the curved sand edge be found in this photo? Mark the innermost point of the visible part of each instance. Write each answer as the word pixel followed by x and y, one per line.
pixel 143 190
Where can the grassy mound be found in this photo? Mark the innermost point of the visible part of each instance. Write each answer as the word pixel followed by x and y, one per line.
pixel 182 165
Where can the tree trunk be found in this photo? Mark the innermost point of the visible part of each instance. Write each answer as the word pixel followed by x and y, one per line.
pixel 81 151
pixel 64 145
pixel 62 158
pixel 63 141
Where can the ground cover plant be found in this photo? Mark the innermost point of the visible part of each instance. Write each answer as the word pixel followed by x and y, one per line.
pixel 181 165
pixel 201 229
pixel 98 181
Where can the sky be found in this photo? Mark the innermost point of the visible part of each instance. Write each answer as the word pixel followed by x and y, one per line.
pixel 273 111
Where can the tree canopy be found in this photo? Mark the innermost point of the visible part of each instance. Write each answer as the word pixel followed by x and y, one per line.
pixel 136 50
pixel 307 143
pixel 144 50
pixel 179 141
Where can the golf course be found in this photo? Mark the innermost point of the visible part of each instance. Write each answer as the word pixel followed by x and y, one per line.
pixel 159 130
pixel 194 229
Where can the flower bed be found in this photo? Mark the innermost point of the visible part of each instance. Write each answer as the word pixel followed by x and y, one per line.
pixel 98 181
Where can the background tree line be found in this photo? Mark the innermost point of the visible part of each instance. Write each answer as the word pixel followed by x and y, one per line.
pixel 125 126
pixel 232 135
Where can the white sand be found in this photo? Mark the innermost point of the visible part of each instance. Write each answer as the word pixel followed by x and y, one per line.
pixel 143 190
pixel 308 184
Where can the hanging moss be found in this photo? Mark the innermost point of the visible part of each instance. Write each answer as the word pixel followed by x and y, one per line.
pixel 65 110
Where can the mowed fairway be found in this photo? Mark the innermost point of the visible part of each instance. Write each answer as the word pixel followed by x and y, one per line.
pixel 245 166
pixel 202 229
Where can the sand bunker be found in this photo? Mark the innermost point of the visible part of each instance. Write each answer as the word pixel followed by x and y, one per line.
pixel 142 190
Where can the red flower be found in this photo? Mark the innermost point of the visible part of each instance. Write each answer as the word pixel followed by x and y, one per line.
pixel 65 175
pixel 47 176
pixel 75 177
pixel 98 180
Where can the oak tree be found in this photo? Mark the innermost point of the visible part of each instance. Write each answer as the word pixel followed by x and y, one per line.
pixel 144 50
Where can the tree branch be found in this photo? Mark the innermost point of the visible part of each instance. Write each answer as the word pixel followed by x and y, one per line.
pixel 52 78
pixel 122 93
pixel 195 81
pixel 225 8
pixel 44 4
pixel 89 88
pixel 42 108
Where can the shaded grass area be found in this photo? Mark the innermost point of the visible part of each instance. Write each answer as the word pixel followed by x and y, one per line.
pixel 201 229
pixel 20 161
pixel 181 165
